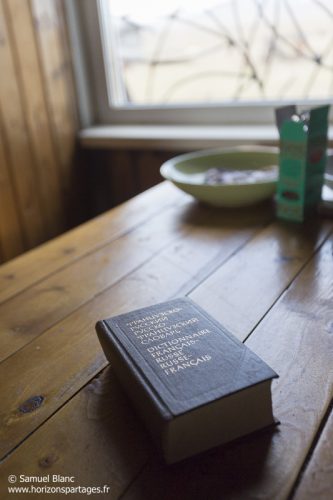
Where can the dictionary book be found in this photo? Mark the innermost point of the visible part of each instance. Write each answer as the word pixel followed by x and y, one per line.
pixel 194 384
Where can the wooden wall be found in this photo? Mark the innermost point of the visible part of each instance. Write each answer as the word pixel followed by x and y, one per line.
pixel 37 124
pixel 117 175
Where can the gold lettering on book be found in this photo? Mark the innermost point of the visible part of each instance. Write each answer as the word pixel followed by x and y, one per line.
pixel 187 364
pixel 170 341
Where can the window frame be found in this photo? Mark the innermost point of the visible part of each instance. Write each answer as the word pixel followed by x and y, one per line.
pixel 85 19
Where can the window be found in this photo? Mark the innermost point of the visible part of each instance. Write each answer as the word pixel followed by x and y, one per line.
pixel 204 61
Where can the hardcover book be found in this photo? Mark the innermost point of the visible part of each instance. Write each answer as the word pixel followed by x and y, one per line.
pixel 193 383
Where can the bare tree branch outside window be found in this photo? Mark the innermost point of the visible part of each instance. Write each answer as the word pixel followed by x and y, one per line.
pixel 183 52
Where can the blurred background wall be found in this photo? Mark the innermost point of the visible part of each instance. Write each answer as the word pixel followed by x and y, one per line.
pixel 39 187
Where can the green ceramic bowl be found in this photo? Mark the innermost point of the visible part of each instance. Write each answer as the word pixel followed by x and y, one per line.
pixel 188 173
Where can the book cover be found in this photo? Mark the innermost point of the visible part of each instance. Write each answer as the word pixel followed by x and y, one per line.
pixel 181 368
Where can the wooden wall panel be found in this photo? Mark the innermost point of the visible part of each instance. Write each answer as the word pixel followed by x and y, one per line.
pixel 116 176
pixel 38 124
pixel 148 165
pixel 36 113
pixel 17 138
pixel 56 67
pixel 10 229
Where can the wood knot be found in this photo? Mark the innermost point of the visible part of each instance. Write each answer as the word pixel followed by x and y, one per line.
pixel 68 250
pixel 9 277
pixel 47 461
pixel 31 404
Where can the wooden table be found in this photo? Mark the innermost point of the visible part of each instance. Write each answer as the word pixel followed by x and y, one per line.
pixel 63 412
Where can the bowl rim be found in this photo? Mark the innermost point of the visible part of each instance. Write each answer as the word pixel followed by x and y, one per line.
pixel 167 167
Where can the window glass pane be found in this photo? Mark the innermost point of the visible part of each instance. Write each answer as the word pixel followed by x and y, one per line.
pixel 203 51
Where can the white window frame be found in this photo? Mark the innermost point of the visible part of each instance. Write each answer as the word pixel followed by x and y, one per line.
pixel 84 18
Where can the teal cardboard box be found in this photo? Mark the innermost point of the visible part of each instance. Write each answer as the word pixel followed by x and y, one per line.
pixel 302 161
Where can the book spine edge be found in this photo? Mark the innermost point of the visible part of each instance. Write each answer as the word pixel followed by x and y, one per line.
pixel 144 399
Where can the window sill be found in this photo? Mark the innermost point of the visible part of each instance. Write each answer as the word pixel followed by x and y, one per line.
pixel 174 137
pixel 177 137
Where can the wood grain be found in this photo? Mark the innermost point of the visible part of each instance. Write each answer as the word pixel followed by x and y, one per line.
pixel 316 480
pixel 122 177
pixel 261 466
pixel 119 442
pixel 240 293
pixel 10 230
pixel 36 114
pixel 17 138
pixel 44 304
pixel 140 170
pixel 30 268
pixel 148 165
pixel 157 246
pixel 60 361
pixel 293 339
pixel 38 140
pixel 58 83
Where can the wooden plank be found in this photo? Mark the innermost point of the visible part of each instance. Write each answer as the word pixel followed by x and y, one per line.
pixel 75 155
pixel 10 230
pixel 17 139
pixel 35 110
pixel 293 339
pixel 259 274
pixel 52 299
pixel 58 84
pixel 1 251
pixel 30 268
pixel 260 466
pixel 99 199
pixel 104 414
pixel 317 480
pixel 60 361
pixel 148 165
pixel 122 177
